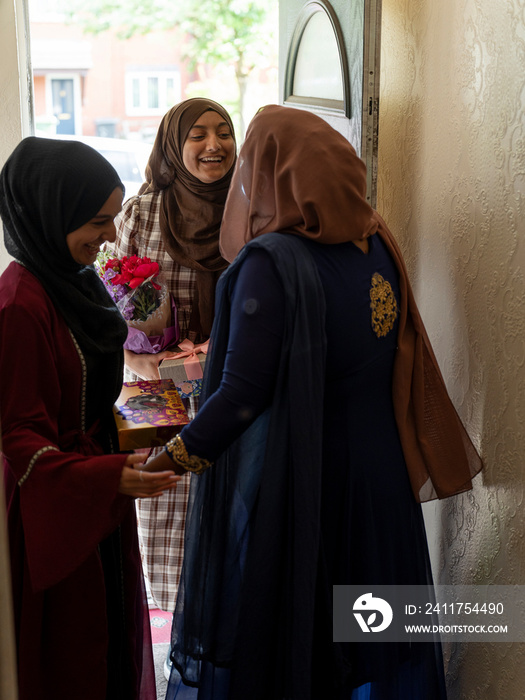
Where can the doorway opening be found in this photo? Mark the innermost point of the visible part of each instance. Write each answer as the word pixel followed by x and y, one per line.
pixel 101 73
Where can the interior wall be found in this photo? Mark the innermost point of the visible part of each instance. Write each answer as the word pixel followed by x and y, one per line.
pixel 451 185
pixel 15 79
pixel 11 128
pixel 8 675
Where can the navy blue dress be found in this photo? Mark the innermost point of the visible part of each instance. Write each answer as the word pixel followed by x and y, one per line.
pixel 371 528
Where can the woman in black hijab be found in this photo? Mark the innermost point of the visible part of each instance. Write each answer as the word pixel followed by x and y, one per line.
pixel 82 629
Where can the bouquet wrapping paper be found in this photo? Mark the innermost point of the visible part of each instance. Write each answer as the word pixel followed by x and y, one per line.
pixel 135 284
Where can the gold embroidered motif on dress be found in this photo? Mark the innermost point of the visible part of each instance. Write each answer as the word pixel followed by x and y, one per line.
pixel 383 304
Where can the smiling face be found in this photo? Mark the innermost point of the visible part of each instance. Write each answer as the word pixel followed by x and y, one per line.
pixel 209 150
pixel 84 243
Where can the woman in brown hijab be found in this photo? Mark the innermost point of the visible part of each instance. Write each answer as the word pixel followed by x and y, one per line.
pixel 175 220
pixel 325 423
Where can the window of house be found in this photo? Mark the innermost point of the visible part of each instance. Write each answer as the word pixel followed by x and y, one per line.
pixel 150 92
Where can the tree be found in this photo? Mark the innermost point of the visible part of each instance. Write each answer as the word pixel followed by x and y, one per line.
pixel 239 33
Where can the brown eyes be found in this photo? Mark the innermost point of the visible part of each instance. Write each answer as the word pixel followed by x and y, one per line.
pixel 199 137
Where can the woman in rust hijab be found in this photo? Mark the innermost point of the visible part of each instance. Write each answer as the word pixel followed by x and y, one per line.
pixel 325 423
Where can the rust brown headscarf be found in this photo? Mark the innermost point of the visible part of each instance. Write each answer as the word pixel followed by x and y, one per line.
pixel 284 181
pixel 295 174
pixel 191 210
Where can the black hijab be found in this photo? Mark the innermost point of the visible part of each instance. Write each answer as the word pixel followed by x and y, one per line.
pixel 49 188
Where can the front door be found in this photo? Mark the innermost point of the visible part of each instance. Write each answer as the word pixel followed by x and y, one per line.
pixel 329 64
pixel 63 95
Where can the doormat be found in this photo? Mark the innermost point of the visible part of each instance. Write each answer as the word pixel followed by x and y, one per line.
pixel 160 622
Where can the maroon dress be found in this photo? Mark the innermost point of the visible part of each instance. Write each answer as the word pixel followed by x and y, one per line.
pixel 82 629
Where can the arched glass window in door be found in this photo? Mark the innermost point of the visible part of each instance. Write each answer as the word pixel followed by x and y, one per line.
pixel 317 69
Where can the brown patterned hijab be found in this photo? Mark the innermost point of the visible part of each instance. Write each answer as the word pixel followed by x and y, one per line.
pixel 191 210
pixel 296 174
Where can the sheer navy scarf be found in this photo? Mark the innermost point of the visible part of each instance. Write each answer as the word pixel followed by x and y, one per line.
pixel 247 592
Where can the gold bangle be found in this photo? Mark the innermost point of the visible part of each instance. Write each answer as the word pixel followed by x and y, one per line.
pixel 177 451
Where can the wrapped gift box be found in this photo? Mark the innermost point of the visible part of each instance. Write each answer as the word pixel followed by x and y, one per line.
pixel 189 366
pixel 148 414
pixel 177 370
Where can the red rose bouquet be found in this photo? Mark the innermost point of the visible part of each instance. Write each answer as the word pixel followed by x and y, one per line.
pixel 136 287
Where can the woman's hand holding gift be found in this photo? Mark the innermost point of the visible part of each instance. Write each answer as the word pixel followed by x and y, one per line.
pixel 145 365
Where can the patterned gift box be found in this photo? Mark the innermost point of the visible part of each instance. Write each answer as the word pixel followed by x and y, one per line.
pixel 190 391
pixel 148 414
pixel 189 388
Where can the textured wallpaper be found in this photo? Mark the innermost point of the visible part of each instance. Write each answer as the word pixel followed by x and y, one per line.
pixel 451 185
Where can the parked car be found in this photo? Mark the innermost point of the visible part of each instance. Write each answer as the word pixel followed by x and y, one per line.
pixel 129 158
